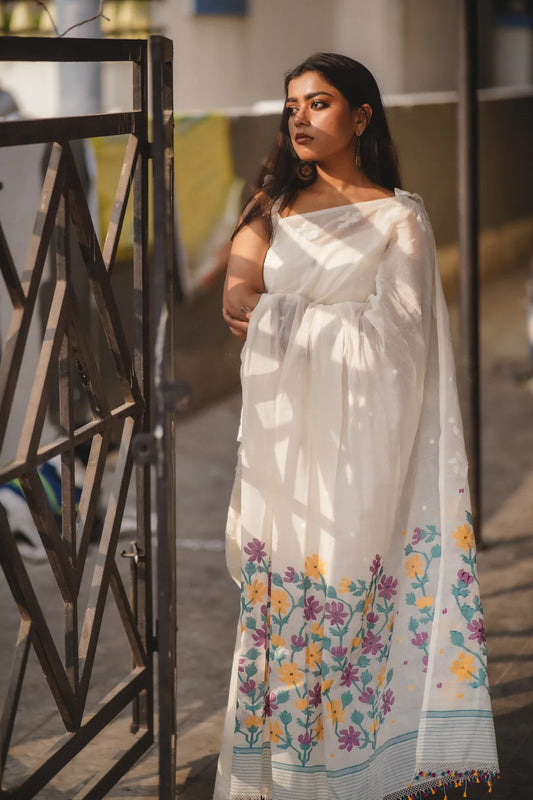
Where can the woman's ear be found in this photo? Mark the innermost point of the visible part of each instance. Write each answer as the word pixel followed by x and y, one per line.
pixel 363 115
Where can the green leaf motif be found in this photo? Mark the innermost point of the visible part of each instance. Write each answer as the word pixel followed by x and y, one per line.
pixel 408 549
pixel 285 717
pixel 346 699
pixel 435 551
pixel 410 598
pixel 332 592
pixel 467 612
pixel 413 625
pixel 250 623
pixel 457 638
pixel 366 677
pixel 252 654
pixel 363 661
pixel 357 717
pixel 251 670
pixel 282 697
pixel 277 580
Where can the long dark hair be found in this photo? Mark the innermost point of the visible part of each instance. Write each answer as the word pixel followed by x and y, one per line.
pixel 278 177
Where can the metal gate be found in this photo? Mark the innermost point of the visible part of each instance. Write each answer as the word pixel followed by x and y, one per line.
pixel 91 385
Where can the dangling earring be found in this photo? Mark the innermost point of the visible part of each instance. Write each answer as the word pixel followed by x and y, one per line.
pixel 306 172
pixel 358 152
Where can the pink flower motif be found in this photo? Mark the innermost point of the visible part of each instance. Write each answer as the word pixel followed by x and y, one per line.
pixel 305 740
pixel 477 627
pixel 290 574
pixel 349 675
pixel 270 703
pixel 297 641
pixel 372 643
pixel 375 564
pixel 387 586
pixel 387 700
pixel 311 608
pixel 367 695
pixel 338 652
pixel 372 618
pixel 255 551
pixel 260 636
pixel 315 695
pixel 349 738
pixel 416 536
pixel 248 687
pixel 420 639
pixel 465 577
pixel 335 613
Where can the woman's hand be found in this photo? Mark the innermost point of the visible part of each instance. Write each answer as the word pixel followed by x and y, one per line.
pixel 237 325
pixel 244 278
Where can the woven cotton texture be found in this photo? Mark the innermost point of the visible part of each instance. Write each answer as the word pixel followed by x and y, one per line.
pixel 360 662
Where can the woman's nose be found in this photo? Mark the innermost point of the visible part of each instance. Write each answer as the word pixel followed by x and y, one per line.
pixel 300 117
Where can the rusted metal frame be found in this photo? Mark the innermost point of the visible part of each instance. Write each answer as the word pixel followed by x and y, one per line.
pixel 66 424
pixel 106 779
pixel 37 48
pixel 105 558
pixel 64 129
pixel 86 362
pixel 12 697
pixel 71 745
pixel 100 284
pixel 35 496
pixel 468 224
pixel 164 382
pixel 121 201
pixel 21 318
pixel 9 273
pixel 38 401
pixel 17 468
pixel 29 608
pixel 89 497
pixel 141 572
pixel 128 618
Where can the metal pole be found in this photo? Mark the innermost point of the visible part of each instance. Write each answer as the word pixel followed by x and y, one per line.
pixel 165 389
pixel 468 207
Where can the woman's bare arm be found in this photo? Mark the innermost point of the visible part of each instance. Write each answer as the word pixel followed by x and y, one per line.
pixel 244 278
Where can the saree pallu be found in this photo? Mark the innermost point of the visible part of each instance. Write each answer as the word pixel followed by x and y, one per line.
pixel 360 662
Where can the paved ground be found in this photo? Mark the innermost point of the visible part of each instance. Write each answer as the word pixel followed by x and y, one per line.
pixel 208 601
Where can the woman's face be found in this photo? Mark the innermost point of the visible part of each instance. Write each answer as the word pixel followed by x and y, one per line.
pixel 321 122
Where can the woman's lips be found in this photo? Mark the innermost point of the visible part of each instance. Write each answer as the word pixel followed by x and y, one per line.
pixel 303 138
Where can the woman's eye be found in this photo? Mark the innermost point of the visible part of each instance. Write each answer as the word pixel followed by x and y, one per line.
pixel 291 110
pixel 318 104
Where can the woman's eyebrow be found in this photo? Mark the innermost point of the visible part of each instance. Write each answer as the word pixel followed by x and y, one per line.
pixel 307 96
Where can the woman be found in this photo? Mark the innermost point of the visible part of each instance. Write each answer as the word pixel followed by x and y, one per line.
pixel 360 664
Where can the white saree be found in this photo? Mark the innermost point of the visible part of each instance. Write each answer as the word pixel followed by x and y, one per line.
pixel 360 664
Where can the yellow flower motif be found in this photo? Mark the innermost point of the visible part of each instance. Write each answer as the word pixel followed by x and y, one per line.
pixel 277 641
pixel 344 585
pixel 275 732
pixel 334 711
pixel 314 567
pixel 313 655
pixel 356 641
pixel 463 667
pixel 464 537
pixel 414 566
pixel 374 726
pixel 256 592
pixel 368 603
pixel 317 629
pixel 424 602
pixel 381 675
pixel 290 674
pixel 301 703
pixel 390 623
pixel 319 729
pixel 326 685
pixel 254 721
pixel 279 603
